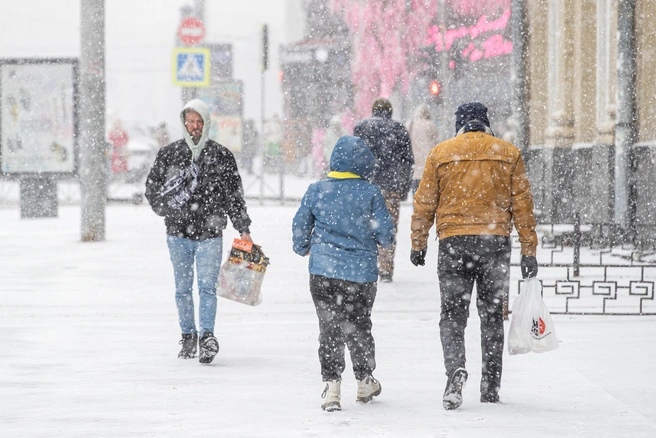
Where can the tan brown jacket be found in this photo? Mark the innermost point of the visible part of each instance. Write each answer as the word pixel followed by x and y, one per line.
pixel 474 184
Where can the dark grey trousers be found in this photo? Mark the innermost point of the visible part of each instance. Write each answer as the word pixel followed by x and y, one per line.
pixel 465 261
pixel 344 311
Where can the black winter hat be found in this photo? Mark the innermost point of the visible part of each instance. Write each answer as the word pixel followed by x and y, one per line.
pixel 471 111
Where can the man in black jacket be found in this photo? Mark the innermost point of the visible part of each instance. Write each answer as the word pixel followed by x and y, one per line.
pixel 389 141
pixel 194 183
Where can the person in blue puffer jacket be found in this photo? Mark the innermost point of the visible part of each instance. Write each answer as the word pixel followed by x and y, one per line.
pixel 340 224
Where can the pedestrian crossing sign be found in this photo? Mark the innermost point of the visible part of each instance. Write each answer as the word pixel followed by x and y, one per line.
pixel 191 67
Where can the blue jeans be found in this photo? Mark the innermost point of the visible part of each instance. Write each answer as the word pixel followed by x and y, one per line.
pixel 207 254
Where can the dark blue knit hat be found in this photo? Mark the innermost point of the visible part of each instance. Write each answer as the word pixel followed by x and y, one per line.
pixel 471 111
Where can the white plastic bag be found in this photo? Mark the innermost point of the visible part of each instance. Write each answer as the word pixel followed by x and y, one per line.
pixel 241 275
pixel 518 339
pixel 531 327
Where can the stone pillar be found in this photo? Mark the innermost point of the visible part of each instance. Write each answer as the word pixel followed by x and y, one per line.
pixel 559 135
pixel 646 56
pixel 602 191
pixel 560 132
pixel 519 77
pixel 644 153
pixel 584 71
pixel 93 150
pixel 537 69
pixel 626 127
pixel 606 60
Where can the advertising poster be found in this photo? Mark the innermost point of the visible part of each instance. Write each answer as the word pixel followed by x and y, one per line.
pixel 37 116
pixel 225 99
pixel 226 130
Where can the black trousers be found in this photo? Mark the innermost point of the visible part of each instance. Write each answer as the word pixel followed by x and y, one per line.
pixel 465 261
pixel 344 311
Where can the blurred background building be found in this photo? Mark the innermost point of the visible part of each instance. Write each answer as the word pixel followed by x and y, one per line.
pixel 585 113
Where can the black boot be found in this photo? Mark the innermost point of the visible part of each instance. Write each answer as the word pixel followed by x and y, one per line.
pixel 209 347
pixel 453 392
pixel 489 391
pixel 189 343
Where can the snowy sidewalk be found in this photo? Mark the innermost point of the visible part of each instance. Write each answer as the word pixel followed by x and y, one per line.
pixel 89 346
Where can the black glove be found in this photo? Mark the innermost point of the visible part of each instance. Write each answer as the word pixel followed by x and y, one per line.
pixel 418 258
pixel 529 265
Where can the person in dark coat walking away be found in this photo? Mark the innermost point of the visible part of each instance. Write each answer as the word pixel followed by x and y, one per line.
pixel 475 188
pixel 340 223
pixel 194 184
pixel 390 143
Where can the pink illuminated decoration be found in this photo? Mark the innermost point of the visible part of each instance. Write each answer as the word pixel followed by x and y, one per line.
pixel 387 36
pixel 490 46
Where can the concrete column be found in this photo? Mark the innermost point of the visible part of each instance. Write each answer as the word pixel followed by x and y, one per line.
pixel 537 69
pixel 644 153
pixel 646 74
pixel 584 71
pixel 93 172
pixel 519 76
pixel 560 132
pixel 559 136
pixel 606 73
pixel 626 130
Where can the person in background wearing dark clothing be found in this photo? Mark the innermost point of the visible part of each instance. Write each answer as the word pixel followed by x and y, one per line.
pixel 390 143
pixel 194 184
pixel 340 223
pixel 474 188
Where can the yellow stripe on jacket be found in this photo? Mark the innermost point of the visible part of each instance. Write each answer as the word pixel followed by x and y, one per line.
pixel 342 175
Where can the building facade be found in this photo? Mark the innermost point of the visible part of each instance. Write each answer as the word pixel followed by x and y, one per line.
pixel 591 70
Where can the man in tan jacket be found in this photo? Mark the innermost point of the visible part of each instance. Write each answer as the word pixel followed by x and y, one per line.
pixel 474 188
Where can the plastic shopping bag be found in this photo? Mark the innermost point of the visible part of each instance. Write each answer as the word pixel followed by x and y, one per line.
pixel 531 327
pixel 241 275
pixel 518 338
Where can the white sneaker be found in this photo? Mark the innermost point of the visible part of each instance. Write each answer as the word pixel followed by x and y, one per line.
pixel 332 396
pixel 368 388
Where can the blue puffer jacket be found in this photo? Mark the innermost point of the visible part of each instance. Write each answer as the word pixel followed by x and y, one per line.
pixel 343 218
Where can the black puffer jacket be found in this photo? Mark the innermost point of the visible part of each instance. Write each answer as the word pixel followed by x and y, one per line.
pixel 219 191
pixel 390 143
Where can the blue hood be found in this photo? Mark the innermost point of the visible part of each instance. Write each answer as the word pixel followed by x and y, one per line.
pixel 351 154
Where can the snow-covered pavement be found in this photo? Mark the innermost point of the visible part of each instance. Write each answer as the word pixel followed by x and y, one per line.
pixel 89 348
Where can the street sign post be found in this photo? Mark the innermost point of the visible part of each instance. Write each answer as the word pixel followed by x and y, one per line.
pixel 191 31
pixel 191 67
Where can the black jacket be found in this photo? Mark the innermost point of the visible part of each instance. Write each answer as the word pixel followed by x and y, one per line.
pixel 219 192
pixel 390 143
